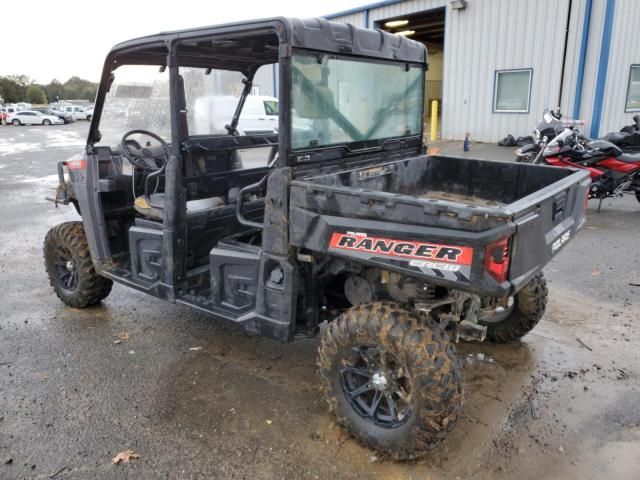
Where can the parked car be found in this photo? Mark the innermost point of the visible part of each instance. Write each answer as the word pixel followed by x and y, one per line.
pixel 78 113
pixel 65 117
pixel 30 117
pixel 89 113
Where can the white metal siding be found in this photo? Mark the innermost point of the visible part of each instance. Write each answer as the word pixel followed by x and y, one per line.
pixel 492 35
pixel 356 19
pixel 625 50
pixel 403 8
pixel 264 80
pixel 574 42
pixel 591 63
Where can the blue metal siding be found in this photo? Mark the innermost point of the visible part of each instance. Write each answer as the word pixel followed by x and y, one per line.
pixel 603 68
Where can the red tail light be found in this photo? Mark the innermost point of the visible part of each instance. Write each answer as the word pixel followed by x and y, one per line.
pixel 586 201
pixel 497 258
pixel 77 164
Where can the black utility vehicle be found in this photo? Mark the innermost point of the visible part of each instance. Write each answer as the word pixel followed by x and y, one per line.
pixel 341 217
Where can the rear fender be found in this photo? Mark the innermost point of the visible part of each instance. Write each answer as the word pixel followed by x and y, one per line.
pixel 527 149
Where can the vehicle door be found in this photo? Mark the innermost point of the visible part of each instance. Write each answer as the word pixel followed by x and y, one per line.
pixel 270 106
pixel 37 118
pixel 28 118
pixel 250 116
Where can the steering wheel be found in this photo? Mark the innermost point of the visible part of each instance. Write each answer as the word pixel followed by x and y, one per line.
pixel 145 157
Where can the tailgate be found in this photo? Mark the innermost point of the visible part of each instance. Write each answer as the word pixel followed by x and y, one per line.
pixel 338 222
pixel 545 222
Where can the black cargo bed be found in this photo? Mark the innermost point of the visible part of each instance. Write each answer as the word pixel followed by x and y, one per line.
pixel 448 200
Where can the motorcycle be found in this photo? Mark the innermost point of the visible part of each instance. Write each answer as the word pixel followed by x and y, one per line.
pixel 628 138
pixel 613 172
pixel 548 127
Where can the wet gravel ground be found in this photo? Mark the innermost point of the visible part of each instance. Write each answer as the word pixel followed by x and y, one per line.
pixel 196 400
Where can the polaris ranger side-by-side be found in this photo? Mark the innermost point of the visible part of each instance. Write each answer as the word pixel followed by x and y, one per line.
pixel 339 217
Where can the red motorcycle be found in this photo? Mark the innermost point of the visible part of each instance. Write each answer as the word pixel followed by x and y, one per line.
pixel 613 173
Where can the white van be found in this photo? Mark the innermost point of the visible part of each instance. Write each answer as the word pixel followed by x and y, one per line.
pixel 212 113
pixel 9 110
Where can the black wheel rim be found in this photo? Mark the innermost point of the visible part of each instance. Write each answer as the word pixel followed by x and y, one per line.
pixel 64 267
pixel 376 385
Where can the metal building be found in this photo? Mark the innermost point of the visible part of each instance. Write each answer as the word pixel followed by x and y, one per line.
pixel 495 65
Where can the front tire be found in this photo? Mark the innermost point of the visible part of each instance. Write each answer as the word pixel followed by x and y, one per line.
pixel 392 380
pixel 528 307
pixel 46 122
pixel 68 263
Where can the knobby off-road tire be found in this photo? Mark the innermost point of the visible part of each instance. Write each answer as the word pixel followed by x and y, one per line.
pixel 418 359
pixel 529 305
pixel 68 263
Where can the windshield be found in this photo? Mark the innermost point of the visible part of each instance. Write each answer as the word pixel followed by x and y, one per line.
pixel 138 99
pixel 336 100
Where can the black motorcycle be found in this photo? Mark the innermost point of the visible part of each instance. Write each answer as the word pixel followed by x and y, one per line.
pixel 628 138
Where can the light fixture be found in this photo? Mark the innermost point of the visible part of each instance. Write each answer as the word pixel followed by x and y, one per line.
pixel 459 4
pixel 406 33
pixel 396 23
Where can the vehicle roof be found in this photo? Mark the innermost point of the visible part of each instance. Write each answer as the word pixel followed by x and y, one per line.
pixel 312 33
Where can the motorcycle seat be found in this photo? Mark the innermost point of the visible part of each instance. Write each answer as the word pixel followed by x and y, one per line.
pixel 629 158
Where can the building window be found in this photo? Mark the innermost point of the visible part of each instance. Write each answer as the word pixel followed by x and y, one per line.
pixel 633 90
pixel 512 91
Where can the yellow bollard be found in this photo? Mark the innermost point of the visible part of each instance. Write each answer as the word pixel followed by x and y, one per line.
pixel 434 120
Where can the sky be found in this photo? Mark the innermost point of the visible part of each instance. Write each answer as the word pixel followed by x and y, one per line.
pixel 47 39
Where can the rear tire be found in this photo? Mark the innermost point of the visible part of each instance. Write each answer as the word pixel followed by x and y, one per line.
pixel 529 305
pixel 15 122
pixel 406 372
pixel 68 263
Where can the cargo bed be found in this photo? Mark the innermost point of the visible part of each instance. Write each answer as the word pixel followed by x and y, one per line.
pixel 442 202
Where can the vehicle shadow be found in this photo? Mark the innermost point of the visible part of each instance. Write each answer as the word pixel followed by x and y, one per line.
pixel 264 398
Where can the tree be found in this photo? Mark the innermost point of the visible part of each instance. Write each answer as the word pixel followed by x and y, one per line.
pixel 77 88
pixel 54 90
pixel 35 94
pixel 11 90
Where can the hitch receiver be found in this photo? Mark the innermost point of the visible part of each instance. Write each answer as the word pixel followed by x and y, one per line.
pixel 470 331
